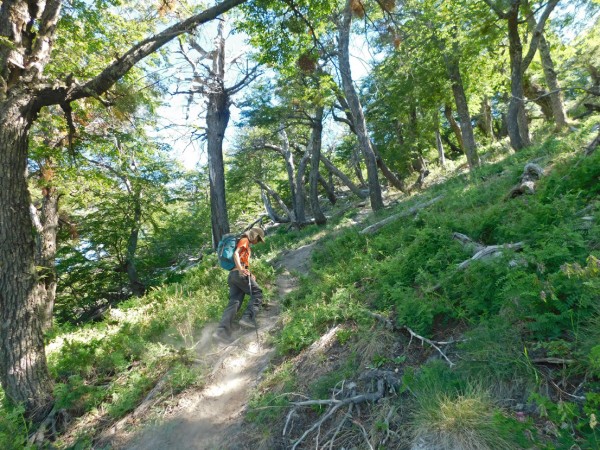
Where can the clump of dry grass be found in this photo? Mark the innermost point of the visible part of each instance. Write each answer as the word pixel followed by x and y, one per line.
pixel 459 422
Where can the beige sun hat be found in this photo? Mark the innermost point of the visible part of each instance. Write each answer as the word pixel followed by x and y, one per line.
pixel 256 234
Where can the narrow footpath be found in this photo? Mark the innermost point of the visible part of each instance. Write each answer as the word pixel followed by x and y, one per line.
pixel 210 417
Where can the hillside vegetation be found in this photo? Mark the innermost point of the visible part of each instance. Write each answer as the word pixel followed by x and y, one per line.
pixel 391 339
pixel 502 353
pixel 426 173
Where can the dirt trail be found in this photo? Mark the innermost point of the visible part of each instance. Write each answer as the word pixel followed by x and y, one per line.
pixel 206 419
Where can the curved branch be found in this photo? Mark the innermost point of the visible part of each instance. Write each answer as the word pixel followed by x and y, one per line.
pixel 537 34
pixel 115 71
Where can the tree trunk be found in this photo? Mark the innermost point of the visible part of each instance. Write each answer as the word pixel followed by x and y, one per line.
pixel 485 122
pixel 328 187
pixel 280 202
pixel 438 141
pixel 537 94
pixel 556 97
pixel 29 31
pixel 518 128
pixel 462 108
pixel 315 152
pixel 342 176
pixel 137 287
pixel 295 181
pixel 454 126
pixel 270 210
pixel 47 252
pixel 300 191
pixel 217 119
pixel 23 368
pixel 356 108
pixel 388 174
pixel 355 163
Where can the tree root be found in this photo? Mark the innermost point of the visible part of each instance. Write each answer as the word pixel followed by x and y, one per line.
pixel 385 381
pixel 49 427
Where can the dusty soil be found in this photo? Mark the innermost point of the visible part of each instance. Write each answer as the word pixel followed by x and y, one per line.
pixel 207 418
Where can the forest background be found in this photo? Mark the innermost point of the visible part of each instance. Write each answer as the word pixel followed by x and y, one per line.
pixel 478 116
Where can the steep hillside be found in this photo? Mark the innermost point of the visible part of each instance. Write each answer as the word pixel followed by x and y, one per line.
pixel 464 317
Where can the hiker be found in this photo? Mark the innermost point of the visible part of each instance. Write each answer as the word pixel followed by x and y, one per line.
pixel 241 282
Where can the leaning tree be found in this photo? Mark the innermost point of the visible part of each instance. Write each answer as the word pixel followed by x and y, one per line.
pixel 28 30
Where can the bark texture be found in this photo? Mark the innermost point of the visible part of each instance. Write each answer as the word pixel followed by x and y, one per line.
pixel 356 190
pixel 518 128
pixel 555 97
pixel 47 252
pixel 137 287
pixel 23 368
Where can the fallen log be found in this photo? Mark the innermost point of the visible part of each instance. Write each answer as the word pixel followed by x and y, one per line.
pixel 373 228
pixel 592 146
pixel 531 173
pixel 490 252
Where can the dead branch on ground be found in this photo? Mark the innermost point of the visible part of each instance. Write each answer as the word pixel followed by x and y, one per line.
pixel 430 342
pixel 415 209
pixel 344 397
pixel 592 145
pixel 482 251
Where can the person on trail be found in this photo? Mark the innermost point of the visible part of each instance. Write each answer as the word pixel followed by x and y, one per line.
pixel 241 282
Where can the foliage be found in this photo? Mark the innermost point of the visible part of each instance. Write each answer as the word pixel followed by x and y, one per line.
pixel 14 428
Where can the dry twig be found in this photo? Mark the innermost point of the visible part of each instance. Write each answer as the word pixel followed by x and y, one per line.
pixel 430 342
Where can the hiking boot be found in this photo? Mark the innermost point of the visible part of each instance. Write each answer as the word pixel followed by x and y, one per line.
pixel 247 322
pixel 221 336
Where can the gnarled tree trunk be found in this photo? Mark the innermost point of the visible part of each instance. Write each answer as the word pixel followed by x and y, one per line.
pixel 300 193
pixel 137 287
pixel 454 126
pixel 315 152
pixel 46 254
pixel 217 119
pixel 518 128
pixel 344 178
pixel 356 108
pixel 23 368
pixel 462 108
pixel 555 95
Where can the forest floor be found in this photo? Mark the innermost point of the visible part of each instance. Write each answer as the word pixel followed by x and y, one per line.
pixel 207 418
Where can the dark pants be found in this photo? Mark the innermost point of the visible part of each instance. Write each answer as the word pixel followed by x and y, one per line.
pixel 238 288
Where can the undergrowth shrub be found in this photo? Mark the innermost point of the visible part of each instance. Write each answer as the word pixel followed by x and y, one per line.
pixel 14 428
pixel 306 321
pixel 493 352
pixel 268 401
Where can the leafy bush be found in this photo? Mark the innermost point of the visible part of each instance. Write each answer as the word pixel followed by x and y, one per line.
pixel 14 428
